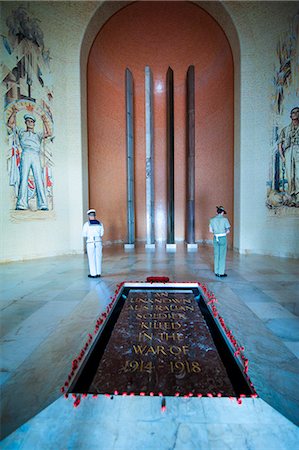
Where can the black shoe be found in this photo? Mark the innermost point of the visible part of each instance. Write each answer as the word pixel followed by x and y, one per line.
pixel 92 276
pixel 223 275
pixel 217 275
pixel 99 275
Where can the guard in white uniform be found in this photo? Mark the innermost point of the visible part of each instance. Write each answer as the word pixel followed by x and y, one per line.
pixel 93 231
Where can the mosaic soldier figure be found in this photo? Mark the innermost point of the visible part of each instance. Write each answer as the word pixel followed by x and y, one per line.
pixel 30 143
pixel 288 146
pixel 220 227
pixel 93 231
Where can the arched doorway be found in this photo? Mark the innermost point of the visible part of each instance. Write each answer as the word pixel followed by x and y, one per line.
pixel 160 34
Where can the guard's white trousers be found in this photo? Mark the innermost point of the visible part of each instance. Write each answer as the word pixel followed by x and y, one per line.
pixel 94 253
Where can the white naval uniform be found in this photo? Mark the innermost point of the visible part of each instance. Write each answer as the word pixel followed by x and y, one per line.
pixel 30 143
pixel 93 234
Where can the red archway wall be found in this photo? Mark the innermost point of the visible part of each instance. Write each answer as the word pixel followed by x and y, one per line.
pixel 160 34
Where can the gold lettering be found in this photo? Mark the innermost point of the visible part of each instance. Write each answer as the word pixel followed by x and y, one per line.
pixel 140 350
pixel 171 307
pixel 183 367
pixel 145 350
pixel 175 308
pixel 174 336
pixel 161 316
pixel 151 350
pixel 162 300
pixel 161 308
pixel 159 325
pixel 160 348
pixel 143 336
pixel 139 299
pixel 179 301
pixel 174 350
pixel 189 308
pixel 143 300
pixel 180 316
pixel 175 325
pixel 134 366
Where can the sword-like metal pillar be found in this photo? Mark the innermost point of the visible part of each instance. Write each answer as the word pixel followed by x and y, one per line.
pixel 130 161
pixel 170 159
pixel 191 158
pixel 149 133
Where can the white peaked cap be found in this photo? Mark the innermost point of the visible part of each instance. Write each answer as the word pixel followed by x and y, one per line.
pixel 91 211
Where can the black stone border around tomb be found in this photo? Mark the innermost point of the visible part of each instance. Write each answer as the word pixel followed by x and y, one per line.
pixel 232 360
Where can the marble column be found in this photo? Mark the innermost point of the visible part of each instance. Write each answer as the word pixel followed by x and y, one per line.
pixel 130 161
pixel 191 159
pixel 149 133
pixel 170 160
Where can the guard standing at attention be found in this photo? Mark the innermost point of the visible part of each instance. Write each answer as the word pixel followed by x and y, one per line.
pixel 220 227
pixel 93 231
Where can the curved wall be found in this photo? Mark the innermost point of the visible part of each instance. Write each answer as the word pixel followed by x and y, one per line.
pixel 253 29
pixel 160 35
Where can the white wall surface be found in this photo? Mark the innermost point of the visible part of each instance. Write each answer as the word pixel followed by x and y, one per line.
pixel 259 26
pixel 59 231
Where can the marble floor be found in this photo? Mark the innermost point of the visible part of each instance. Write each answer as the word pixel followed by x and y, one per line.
pixel 49 305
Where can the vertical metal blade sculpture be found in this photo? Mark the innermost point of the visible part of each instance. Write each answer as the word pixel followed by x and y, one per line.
pixel 130 158
pixel 149 132
pixel 170 157
pixel 190 156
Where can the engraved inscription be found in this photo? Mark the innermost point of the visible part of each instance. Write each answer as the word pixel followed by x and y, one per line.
pixel 161 343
